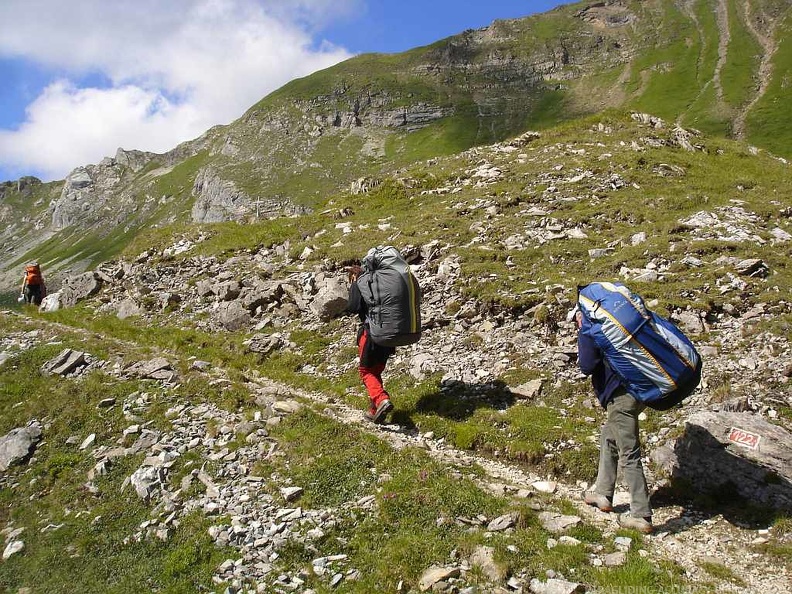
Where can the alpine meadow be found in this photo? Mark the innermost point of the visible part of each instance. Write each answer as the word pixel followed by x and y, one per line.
pixel 185 412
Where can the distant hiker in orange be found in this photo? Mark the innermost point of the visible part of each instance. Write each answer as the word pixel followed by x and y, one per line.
pixel 373 357
pixel 33 287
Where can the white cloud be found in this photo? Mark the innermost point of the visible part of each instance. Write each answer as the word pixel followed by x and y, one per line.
pixel 67 126
pixel 176 68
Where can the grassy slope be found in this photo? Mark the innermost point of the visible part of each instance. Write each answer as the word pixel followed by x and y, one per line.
pixel 417 491
pixel 768 124
pixel 714 179
pixel 706 113
pixel 742 62
pixel 87 552
pixel 88 549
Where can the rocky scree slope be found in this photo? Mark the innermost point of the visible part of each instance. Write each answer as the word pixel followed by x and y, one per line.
pixel 497 356
pixel 256 517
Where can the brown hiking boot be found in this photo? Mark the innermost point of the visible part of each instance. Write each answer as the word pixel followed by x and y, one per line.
pixel 598 501
pixel 633 523
pixel 377 415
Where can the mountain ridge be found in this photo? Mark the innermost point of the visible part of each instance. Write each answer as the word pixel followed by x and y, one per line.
pixel 375 113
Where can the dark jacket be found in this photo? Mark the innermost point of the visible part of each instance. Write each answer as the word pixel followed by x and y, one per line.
pixel 371 353
pixel 356 304
pixel 592 363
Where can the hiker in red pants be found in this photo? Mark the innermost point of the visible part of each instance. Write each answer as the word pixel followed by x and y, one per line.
pixel 373 357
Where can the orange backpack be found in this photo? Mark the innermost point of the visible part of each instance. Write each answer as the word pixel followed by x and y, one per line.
pixel 32 275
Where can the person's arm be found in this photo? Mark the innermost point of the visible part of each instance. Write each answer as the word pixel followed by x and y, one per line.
pixel 355 302
pixel 589 354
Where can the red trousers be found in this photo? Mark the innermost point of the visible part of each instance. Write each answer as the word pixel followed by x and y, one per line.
pixel 371 374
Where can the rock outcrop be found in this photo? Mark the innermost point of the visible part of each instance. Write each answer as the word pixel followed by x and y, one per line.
pixel 18 444
pixel 732 452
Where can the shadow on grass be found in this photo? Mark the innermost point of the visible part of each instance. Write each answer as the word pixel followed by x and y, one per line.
pixel 458 401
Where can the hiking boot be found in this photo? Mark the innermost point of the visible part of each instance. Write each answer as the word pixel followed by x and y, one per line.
pixel 377 415
pixel 633 523
pixel 599 501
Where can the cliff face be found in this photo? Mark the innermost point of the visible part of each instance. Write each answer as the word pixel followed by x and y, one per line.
pixel 377 113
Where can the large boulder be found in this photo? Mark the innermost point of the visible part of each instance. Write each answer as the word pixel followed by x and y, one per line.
pixel 66 362
pixel 232 316
pixel 18 444
pixel 732 451
pixel 51 302
pixel 331 300
pixel 128 308
pixel 261 293
pixel 76 288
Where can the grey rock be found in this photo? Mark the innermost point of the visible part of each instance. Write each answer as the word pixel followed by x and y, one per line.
pixel 66 362
pixel 555 586
pixel 599 252
pixel 732 448
pixel 615 559
pixel 286 406
pixel 18 444
pixel 145 480
pixel 647 276
pixel 204 288
pixel 261 293
pixel 689 321
pixel 331 299
pixel 232 316
pixel 218 200
pixel 264 343
pixel 157 368
pixel 780 235
pixel 77 288
pixel 483 557
pixel 51 302
pixel 752 267
pixel 199 365
pixel 503 522
pixel 133 159
pixel 128 308
pixel 228 290
pixel 544 486
pixel 529 390
pixel 436 574
pixel 422 364
pixel 291 493
pixel 555 522
pixel 88 441
pixel 12 548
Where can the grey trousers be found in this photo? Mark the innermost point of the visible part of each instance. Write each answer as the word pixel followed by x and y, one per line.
pixel 619 443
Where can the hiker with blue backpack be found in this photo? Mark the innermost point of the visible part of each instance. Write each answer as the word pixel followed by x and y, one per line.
pixel 635 359
pixel 386 297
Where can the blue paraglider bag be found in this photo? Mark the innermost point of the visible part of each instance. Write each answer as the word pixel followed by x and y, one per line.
pixel 656 362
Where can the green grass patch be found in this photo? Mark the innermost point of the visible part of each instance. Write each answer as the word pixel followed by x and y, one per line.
pixel 768 124
pixel 742 59
pixel 721 572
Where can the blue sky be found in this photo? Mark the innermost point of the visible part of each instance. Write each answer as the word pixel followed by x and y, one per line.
pixel 84 77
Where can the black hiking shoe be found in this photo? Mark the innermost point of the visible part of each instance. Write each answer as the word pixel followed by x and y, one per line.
pixel 377 415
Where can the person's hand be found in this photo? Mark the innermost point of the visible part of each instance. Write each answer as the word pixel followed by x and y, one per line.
pixel 578 319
